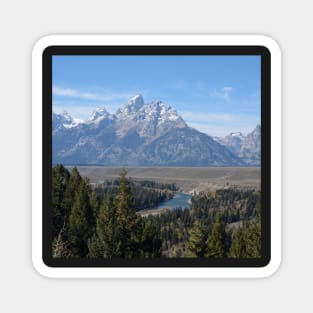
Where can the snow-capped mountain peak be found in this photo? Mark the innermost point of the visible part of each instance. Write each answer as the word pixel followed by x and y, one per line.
pixel 136 102
pixel 246 147
pixel 151 134
pixel 98 112
pixel 67 117
pixel 64 120
pixel 133 105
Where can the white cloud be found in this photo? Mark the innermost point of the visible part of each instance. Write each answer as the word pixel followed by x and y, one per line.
pixel 67 92
pixel 96 94
pixel 223 94
pixel 228 89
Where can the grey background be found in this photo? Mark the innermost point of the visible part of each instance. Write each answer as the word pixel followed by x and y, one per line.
pixel 24 22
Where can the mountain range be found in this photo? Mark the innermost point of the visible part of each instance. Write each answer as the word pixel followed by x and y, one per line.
pixel 247 148
pixel 145 134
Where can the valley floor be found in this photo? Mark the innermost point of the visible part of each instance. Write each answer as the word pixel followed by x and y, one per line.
pixel 188 179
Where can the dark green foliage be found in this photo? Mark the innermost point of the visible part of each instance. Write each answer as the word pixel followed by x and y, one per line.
pixel 146 194
pixel 247 241
pixel 151 242
pixel 120 232
pixel 216 241
pixel 72 186
pixel 95 206
pixel 105 242
pixel 127 221
pixel 238 247
pixel 197 241
pixel 80 221
pixel 101 222
pixel 60 177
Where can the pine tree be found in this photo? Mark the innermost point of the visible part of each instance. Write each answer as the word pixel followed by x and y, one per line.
pixel 197 240
pixel 151 243
pixel 253 240
pixel 105 242
pixel 60 177
pixel 94 204
pixel 127 221
pixel 72 186
pixel 216 241
pixel 79 227
pixel 238 246
pixel 247 239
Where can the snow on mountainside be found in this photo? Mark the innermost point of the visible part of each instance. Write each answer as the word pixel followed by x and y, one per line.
pixel 150 134
pixel 64 120
pixel 248 147
pixel 233 141
pixel 148 120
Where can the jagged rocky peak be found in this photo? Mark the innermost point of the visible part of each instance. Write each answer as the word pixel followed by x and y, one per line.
pixel 247 147
pixel 258 129
pixel 64 120
pixel 161 110
pixel 148 134
pixel 98 112
pixel 67 117
pixel 134 104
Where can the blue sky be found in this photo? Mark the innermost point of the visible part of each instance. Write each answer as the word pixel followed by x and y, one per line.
pixel 214 94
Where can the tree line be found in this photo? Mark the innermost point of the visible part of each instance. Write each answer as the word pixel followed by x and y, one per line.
pixel 146 194
pixel 83 226
pixel 101 222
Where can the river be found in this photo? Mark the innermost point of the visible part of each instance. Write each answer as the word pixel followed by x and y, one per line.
pixel 180 200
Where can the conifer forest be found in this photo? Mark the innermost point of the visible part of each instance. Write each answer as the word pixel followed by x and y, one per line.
pixel 105 220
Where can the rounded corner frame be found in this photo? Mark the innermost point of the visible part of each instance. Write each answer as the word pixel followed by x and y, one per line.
pixel 273 263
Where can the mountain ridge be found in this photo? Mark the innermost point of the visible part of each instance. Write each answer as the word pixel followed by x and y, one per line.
pixel 247 147
pixel 138 134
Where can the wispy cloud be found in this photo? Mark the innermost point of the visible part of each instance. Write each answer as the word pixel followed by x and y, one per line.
pixel 223 94
pixel 81 102
pixel 220 124
pixel 177 84
pixel 81 112
pixel 95 94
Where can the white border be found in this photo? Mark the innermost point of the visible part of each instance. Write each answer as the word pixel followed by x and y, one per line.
pixel 156 272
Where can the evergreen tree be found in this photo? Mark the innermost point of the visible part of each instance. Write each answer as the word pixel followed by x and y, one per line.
pixel 60 177
pixel 79 227
pixel 105 242
pixel 71 189
pixel 151 242
pixel 127 221
pixel 94 204
pixel 247 241
pixel 216 241
pixel 238 247
pixel 197 240
pixel 253 240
